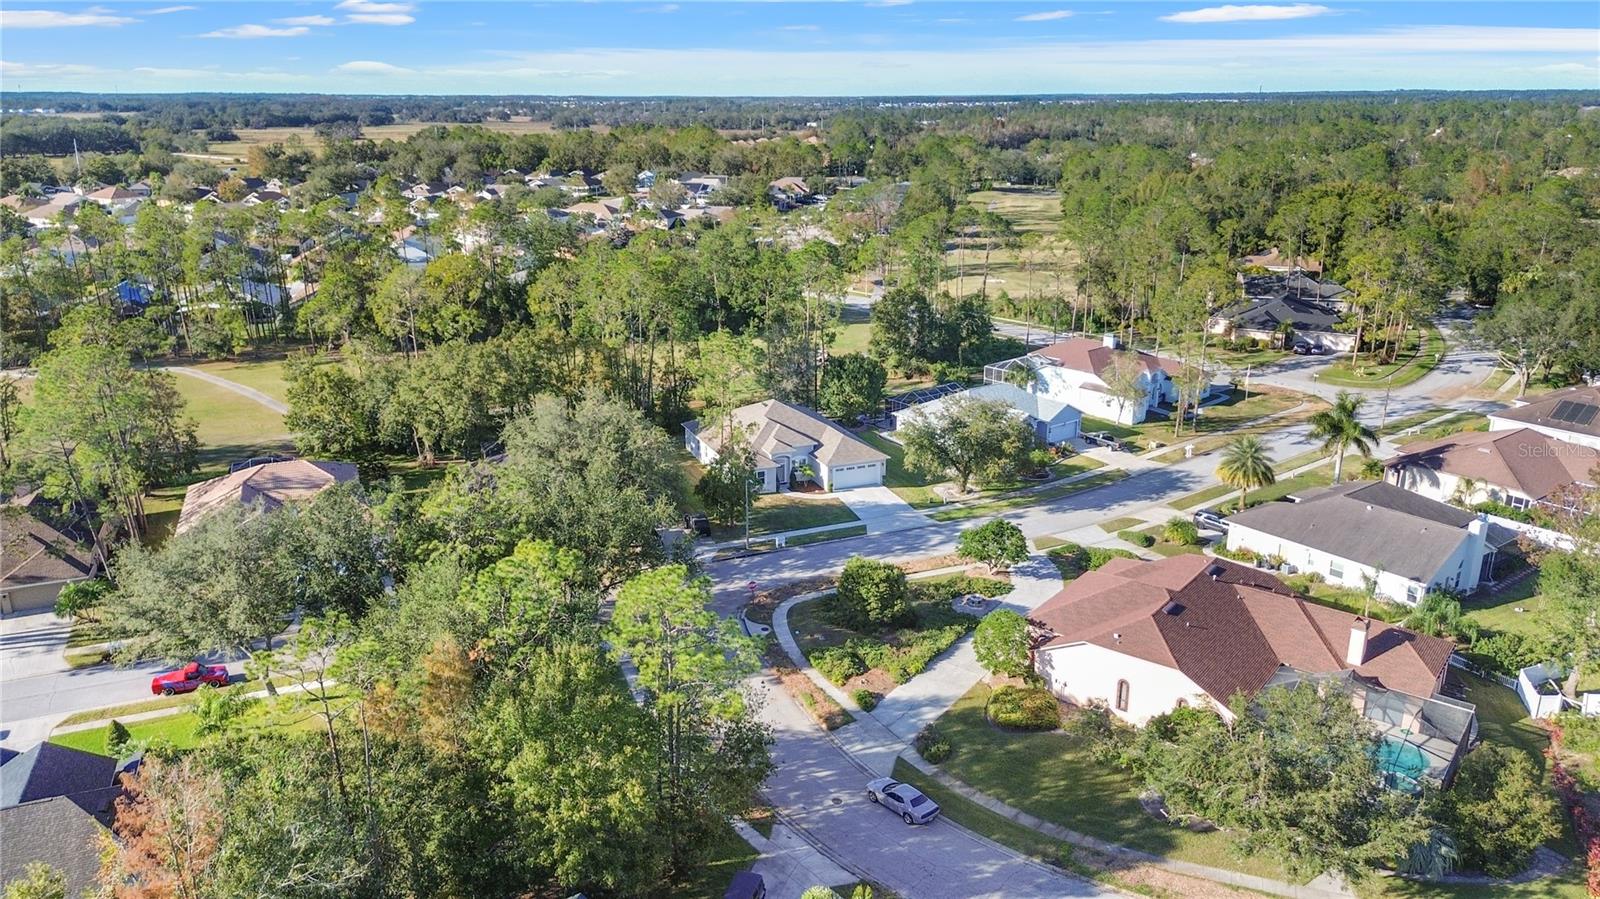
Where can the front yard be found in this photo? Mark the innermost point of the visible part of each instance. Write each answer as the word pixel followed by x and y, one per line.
pixel 1420 352
pixel 1213 421
pixel 880 661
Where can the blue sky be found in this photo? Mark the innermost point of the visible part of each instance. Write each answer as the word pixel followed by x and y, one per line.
pixel 777 48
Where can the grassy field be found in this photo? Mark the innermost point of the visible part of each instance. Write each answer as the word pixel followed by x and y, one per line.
pixel 178 730
pixel 1042 269
pixel 1018 500
pixel 266 377
pixel 230 427
pixel 1418 357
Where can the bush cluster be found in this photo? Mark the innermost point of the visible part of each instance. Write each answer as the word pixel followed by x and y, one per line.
pixel 1074 560
pixel 1137 538
pixel 944 590
pixel 1024 708
pixel 933 745
pixel 865 698
pixel 1506 653
pixel 871 595
pixel 838 664
pixel 1181 531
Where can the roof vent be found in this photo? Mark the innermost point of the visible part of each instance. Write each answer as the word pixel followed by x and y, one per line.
pixel 1215 570
pixel 1173 608
pixel 1369 507
pixel 1117 637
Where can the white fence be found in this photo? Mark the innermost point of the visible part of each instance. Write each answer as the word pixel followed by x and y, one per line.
pixel 1539 705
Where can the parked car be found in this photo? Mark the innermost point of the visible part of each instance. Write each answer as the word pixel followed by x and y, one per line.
pixel 189 678
pixel 746 885
pixel 1207 520
pixel 698 524
pixel 903 799
pixel 1099 438
pixel 1303 347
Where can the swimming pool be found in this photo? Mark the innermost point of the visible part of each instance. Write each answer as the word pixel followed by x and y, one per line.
pixel 1401 764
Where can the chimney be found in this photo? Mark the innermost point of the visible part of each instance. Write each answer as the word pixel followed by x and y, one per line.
pixel 1357 651
pixel 1110 341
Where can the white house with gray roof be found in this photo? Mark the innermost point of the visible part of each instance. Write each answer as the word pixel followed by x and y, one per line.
pixel 1054 421
pixel 791 444
pixel 1377 536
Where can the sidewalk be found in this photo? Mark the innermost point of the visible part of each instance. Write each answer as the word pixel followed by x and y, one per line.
pixel 789 865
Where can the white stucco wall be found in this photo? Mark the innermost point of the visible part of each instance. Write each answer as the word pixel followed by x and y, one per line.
pixel 1085 673
pixel 1068 385
pixel 1460 571
pixel 1501 424
pixel 1442 486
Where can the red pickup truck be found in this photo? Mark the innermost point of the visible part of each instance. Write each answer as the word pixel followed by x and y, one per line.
pixel 189 678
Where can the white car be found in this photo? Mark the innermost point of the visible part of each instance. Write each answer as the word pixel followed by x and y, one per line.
pixel 903 799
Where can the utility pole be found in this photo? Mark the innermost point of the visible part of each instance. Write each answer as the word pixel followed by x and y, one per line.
pixel 1388 383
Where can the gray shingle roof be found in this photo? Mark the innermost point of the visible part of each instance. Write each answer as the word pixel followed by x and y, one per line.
pixel 1374 524
pixel 1268 314
pixel 49 770
pixel 56 832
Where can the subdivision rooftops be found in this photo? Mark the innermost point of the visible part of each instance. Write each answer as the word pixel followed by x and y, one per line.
pixel 1575 409
pixel 1534 464
pixel 1230 628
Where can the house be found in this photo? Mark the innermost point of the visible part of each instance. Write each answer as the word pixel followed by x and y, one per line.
pixel 1053 421
pixel 1073 373
pixel 37 560
pixel 424 190
pixel 792 444
pixel 644 180
pixel 1571 414
pixel 788 193
pixel 1269 318
pixel 1517 468
pixel 717 215
pixel 47 214
pixel 266 486
pixel 113 197
pixel 1373 536
pixel 19 204
pixel 1144 638
pixel 701 187
pixel 1295 286
pixel 579 183
pixel 604 211
pixel 259 197
pixel 56 804
pixel 1273 260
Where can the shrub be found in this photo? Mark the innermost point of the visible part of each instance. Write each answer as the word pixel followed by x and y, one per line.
pixel 1073 560
pixel 933 745
pixel 997 544
pixel 78 599
pixel 117 739
pixel 1506 653
pixel 1499 810
pixel 865 698
pixel 1580 734
pixel 1001 643
pixel 838 663
pixel 1024 708
pixel 1247 556
pixel 942 590
pixel 1137 538
pixel 1181 531
pixel 871 595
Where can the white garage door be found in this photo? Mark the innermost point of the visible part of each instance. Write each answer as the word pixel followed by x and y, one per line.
pixel 1063 430
pixel 867 474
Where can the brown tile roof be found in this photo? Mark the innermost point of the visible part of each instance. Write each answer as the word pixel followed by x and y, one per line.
pixel 1534 464
pixel 270 485
pixel 1543 411
pixel 1089 355
pixel 1274 260
pixel 1229 628
pixel 33 552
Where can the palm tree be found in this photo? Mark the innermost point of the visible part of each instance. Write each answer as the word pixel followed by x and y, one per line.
pixel 1245 464
pixel 1340 430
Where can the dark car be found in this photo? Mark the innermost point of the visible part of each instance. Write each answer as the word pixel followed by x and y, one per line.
pixel 189 678
pixel 746 885
pixel 698 524
pixel 1208 520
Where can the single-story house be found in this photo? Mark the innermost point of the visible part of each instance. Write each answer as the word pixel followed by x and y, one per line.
pixel 1571 414
pixel 1518 467
pixel 266 486
pixel 55 806
pixel 1273 260
pixel 46 215
pixel 792 444
pixel 1373 536
pixel 1072 373
pixel 1144 638
pixel 1264 319
pixel 1053 421
pixel 37 560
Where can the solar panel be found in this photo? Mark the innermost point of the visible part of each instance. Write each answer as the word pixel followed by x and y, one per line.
pixel 1585 414
pixel 1563 410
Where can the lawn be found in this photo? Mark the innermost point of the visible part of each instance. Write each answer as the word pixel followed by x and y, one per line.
pixel 1019 499
pixel 177 729
pixel 1240 360
pixel 1321 476
pixel 1499 611
pixel 728 855
pixel 774 513
pixel 230 427
pixel 1120 524
pixel 980 820
pixel 1417 357
pixel 909 485
pixel 1217 425
pixel 853 335
pixel 266 376
pixel 1164 548
pixel 1053 776
pixel 1415 419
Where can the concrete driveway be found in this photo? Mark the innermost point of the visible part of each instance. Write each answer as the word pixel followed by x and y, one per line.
pixel 32 644
pixel 880 509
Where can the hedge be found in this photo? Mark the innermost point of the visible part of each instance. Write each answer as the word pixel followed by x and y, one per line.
pixel 1024 708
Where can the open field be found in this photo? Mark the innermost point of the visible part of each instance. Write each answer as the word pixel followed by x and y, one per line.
pixel 1041 268
pixel 230 426
pixel 266 377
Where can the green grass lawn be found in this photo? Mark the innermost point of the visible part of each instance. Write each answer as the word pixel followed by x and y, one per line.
pixel 859 530
pixel 1321 476
pixel 980 820
pixel 728 855
pixel 266 376
pixel 1220 424
pixel 909 485
pixel 1417 357
pixel 177 729
pixel 1052 775
pixel 1239 360
pixel 851 338
pixel 1415 419
pixel 1029 498
pixel 1498 611
pixel 1120 524
pixel 1455 424
pixel 1163 548
pixel 772 513
pixel 230 427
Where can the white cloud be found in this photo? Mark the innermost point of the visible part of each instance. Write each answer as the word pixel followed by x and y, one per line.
pixel 247 32
pixel 366 12
pixel 380 18
pixel 55 18
pixel 1247 13
pixel 801 28
pixel 46 70
pixel 663 9
pixel 306 20
pixel 1049 16
pixel 166 10
pixel 367 6
pixel 952 21
pixel 371 67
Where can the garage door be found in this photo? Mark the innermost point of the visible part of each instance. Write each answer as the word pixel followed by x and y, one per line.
pixel 1063 431
pixel 868 474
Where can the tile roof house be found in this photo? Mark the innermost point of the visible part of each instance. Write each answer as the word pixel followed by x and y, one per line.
pixel 267 486
pixel 789 439
pixel 1571 414
pixel 1144 638
pixel 55 806
pixel 37 560
pixel 1374 536
pixel 1072 372
pixel 1518 467
pixel 1273 260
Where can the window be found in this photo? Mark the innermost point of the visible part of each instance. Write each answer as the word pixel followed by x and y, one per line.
pixel 1519 502
pixel 1122 696
pixel 1413 593
pixel 1336 569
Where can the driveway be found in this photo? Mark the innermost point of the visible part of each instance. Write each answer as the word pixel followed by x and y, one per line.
pixel 32 644
pixel 821 790
pixel 881 510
